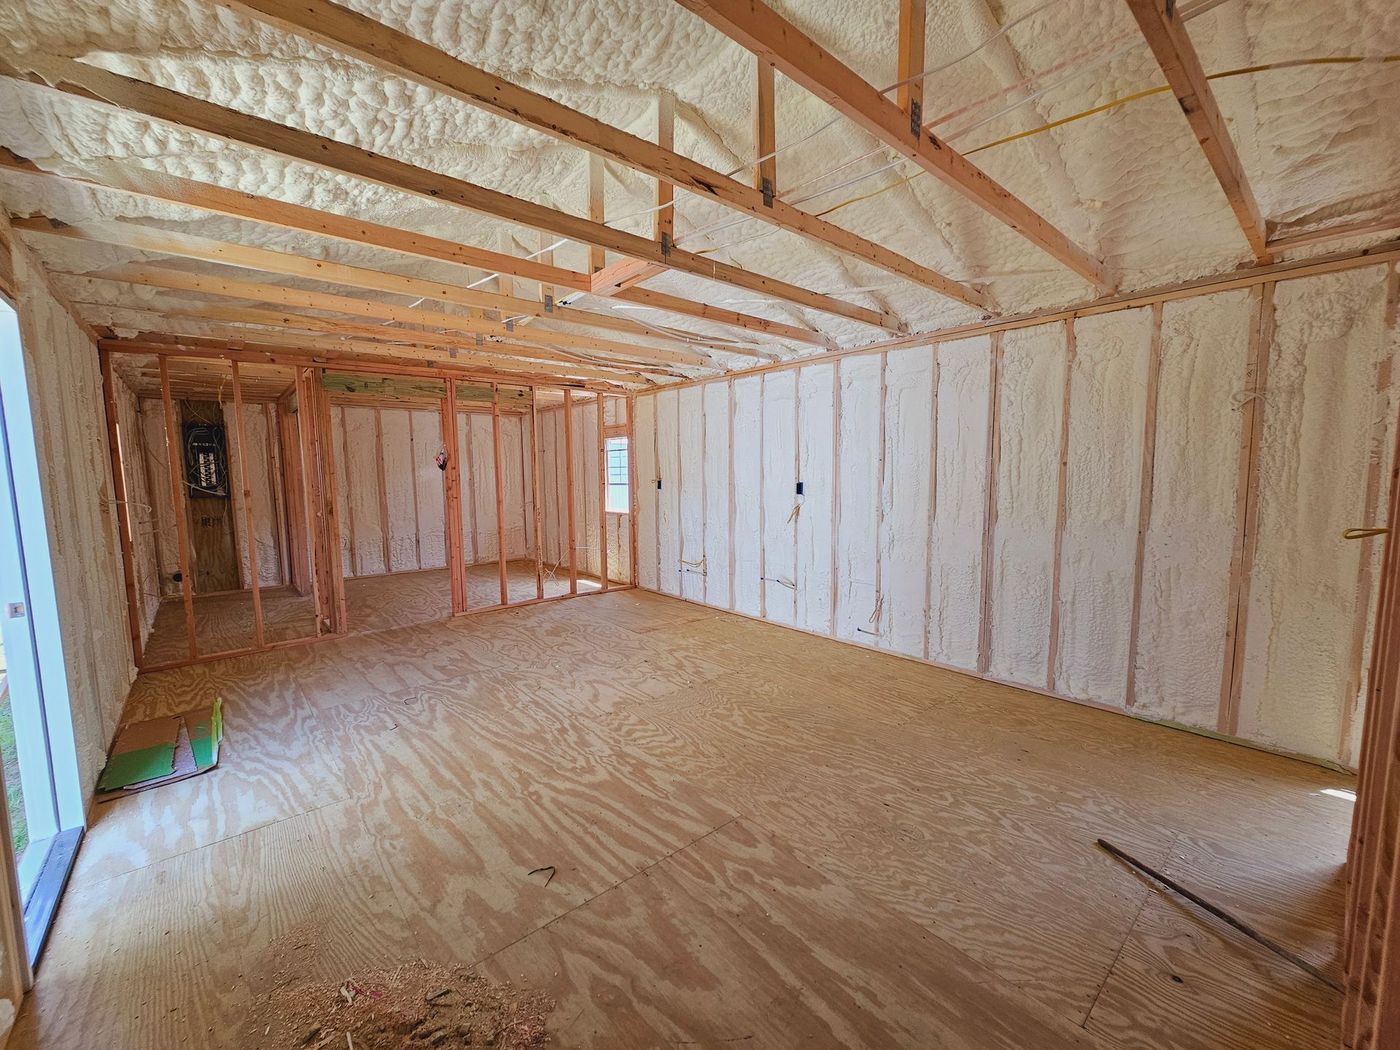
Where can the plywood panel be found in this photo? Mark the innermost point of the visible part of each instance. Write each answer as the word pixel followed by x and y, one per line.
pixel 1107 401
pixel 905 491
pixel 816 439
pixel 955 591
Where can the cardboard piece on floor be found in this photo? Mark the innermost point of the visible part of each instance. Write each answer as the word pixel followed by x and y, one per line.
pixel 162 751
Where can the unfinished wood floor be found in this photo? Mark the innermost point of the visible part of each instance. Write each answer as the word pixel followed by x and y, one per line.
pixel 224 622
pixel 762 839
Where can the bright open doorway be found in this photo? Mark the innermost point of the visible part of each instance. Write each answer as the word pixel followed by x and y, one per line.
pixel 43 793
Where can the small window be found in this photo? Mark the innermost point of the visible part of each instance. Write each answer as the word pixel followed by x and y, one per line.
pixel 619 491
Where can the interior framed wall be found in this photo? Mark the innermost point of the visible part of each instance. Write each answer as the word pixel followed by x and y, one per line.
pixel 460 494
pixel 1138 506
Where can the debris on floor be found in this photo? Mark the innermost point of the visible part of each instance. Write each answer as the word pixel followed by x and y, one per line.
pixel 416 1005
pixel 162 751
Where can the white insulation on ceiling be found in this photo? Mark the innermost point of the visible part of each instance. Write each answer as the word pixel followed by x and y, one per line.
pixel 1128 184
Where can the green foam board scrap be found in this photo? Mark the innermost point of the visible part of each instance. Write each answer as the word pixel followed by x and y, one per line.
pixel 206 730
pixel 133 767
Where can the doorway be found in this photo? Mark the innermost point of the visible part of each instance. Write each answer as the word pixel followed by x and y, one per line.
pixel 43 794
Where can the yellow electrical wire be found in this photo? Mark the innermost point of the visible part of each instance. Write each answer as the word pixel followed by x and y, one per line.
pixel 1123 101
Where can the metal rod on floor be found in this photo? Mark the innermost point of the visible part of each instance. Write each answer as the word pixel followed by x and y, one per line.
pixel 1221 914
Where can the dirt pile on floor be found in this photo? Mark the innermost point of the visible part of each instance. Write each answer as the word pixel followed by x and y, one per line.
pixel 417 1005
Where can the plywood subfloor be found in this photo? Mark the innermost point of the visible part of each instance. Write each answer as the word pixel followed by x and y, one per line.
pixel 224 622
pixel 761 839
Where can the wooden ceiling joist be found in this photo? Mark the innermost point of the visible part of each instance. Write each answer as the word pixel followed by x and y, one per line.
pixel 343 361
pixel 125 234
pixel 1166 35
pixel 398 54
pixel 302 299
pixel 803 61
pixel 171 324
pixel 147 184
pixel 183 111
pixel 234 337
pixel 213 313
pixel 719 315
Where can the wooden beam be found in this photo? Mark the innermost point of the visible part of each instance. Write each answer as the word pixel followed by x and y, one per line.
pixel 909 96
pixel 1052 649
pixel 183 280
pixel 597 257
pixel 241 440
pixel 174 456
pixel 664 223
pixel 135 609
pixel 537 512
pixel 1145 483
pixel 803 61
pixel 718 315
pixel 183 111
pixel 1256 385
pixel 990 507
pixel 1251 277
pixel 1166 35
pixel 143 183
pixel 218 314
pixel 293 357
pixel 400 55
pixel 452 499
pixel 569 489
pixel 1285 240
pixel 148 184
pixel 499 472
pixel 412 349
pixel 602 497
pixel 765 133
pixel 188 246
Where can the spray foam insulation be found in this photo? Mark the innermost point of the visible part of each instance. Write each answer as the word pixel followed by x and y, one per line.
pixel 881 520
pixel 1129 184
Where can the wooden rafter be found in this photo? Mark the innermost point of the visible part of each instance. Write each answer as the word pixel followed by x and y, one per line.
pixel 803 61
pixel 289 322
pixel 183 111
pixel 765 133
pixel 719 315
pixel 162 345
pixel 149 184
pixel 909 96
pixel 170 327
pixel 145 183
pixel 397 53
pixel 168 242
pixel 1166 35
pixel 249 291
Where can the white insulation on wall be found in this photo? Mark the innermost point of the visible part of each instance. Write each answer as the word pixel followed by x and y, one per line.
pixel 885 544
pixel 390 490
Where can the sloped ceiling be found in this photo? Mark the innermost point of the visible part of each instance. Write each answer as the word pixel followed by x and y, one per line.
pixel 1319 142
